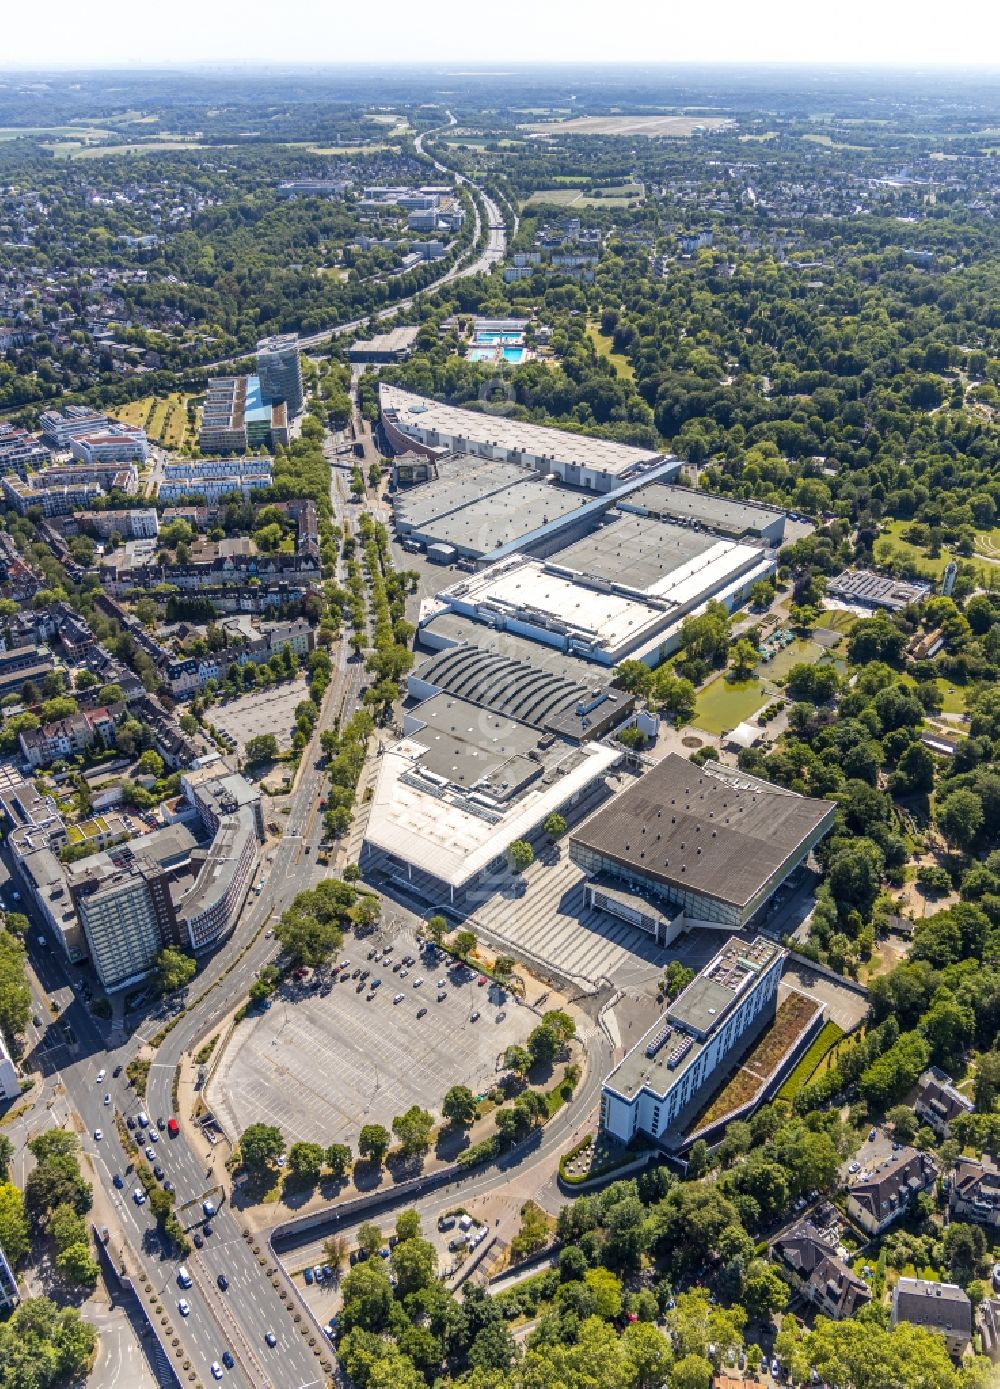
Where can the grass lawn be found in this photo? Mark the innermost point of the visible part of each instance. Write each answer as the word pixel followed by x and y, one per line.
pixel 723 704
pixel 953 695
pixel 891 543
pixel 604 347
pixel 837 620
pixel 791 1019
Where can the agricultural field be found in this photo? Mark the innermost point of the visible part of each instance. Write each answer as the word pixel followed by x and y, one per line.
pixel 655 126
pixel 577 197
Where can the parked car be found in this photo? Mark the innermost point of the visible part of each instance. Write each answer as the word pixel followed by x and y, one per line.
pixel 118 1180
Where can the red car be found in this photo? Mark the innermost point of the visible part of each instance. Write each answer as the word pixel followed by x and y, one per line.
pixel 300 973
pixel 482 980
pixel 173 1128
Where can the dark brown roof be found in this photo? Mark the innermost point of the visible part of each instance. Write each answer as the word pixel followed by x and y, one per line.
pixel 824 1273
pixel 891 1187
pixel 715 832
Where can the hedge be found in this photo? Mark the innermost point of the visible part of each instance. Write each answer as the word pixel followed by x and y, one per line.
pixel 828 1037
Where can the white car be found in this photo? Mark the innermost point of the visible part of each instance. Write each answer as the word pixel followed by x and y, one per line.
pixel 98 1135
pixel 417 983
pixel 150 1154
pixel 398 998
pixel 184 1307
pixel 100 1076
pixel 154 1136
pixel 216 1370
pixel 139 1196
pixel 107 1098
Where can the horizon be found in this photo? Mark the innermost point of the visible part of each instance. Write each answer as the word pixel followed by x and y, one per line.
pixel 110 33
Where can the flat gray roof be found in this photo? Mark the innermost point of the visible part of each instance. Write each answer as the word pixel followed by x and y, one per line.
pixel 459 483
pixel 468 745
pixel 633 550
pixel 732 516
pixel 504 517
pixel 711 831
pixel 395 340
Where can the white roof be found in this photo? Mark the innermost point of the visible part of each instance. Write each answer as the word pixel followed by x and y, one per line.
pixel 442 838
pixel 417 413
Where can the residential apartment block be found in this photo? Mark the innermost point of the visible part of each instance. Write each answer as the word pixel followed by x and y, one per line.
pixel 20 450
pixel 975 1192
pixel 938 1101
pixel 876 1200
pixel 818 1272
pixel 69 736
pixel 59 429
pixel 939 1307
pixel 124 905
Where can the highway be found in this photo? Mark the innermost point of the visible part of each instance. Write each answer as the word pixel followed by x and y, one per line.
pixel 495 250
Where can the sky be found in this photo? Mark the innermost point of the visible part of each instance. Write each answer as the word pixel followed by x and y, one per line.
pixel 107 33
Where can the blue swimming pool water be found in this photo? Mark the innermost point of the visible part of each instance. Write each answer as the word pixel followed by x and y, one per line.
pixel 490 337
pixel 481 354
pixel 513 354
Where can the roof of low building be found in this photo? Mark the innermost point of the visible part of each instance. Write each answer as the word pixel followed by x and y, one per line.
pixel 710 830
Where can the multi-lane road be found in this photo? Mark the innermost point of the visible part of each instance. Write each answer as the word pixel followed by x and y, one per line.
pixel 239 1318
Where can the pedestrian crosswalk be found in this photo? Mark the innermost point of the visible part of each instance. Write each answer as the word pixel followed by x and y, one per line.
pixel 552 927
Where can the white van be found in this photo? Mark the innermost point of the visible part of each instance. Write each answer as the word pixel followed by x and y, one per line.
pixel 183 1277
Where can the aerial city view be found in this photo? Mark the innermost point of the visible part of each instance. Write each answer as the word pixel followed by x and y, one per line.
pixel 499 705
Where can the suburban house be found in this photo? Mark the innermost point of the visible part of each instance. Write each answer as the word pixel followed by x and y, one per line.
pixel 879 1198
pixel 939 1101
pixel 975 1192
pixel 818 1272
pixel 940 1307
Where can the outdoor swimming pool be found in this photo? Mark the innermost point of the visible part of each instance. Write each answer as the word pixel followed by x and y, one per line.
pixel 513 354
pixel 481 354
pixel 494 338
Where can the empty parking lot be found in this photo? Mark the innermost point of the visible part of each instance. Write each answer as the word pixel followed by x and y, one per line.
pixel 264 711
pixel 321 1066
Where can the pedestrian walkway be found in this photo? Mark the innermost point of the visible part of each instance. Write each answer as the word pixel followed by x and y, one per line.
pixel 553 928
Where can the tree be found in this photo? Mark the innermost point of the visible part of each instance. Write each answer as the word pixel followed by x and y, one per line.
pixel 15 996
pixel 151 763
pixel 437 929
pixel 373 1142
pixel 262 748
pixel 674 696
pixel 555 825
pixel 174 969
pixel 649 1355
pixel 459 1106
pixel 959 816
pixel 369 1238
pixel 743 656
pixel 543 1043
pixel 408 1224
pixel 518 1059
pixel 964 1249
pixel 862 1354
pixel 14 1237
pixel 465 943
pixel 413 1129
pixel 338 1159
pixel 6 1153
pixel 305 1161
pixel 692 1372
pixel 335 1252
pixel 307 938
pixel 260 1146
pixel 414 1262
pixel 367 1298
pixel 764 1291
pixel 76 1263
pixel 520 856
pixel 987 1083
pixel 42 1345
